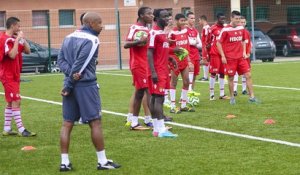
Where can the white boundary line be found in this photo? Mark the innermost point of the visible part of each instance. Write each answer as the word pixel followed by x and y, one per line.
pixel 186 126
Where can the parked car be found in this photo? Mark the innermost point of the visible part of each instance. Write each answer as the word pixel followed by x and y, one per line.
pixel 286 38
pixel 38 59
pixel 265 49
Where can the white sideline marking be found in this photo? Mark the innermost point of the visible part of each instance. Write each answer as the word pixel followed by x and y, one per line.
pixel 186 126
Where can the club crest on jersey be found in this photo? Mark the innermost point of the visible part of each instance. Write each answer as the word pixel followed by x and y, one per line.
pixel 144 80
pixel 166 45
pixel 154 86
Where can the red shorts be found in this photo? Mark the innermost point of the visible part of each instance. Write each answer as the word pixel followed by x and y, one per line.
pixel 204 53
pixel 12 91
pixel 249 62
pixel 140 78
pixel 181 66
pixel 241 66
pixel 159 87
pixel 196 64
pixel 215 65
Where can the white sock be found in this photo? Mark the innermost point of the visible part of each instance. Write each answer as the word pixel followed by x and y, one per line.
pixel 244 85
pixel 212 81
pixel 222 83
pixel 184 97
pixel 155 125
pixel 8 118
pixel 191 77
pixel 147 119
pixel 235 81
pixel 205 71
pixel 65 159
pixel 161 124
pixel 129 115
pixel 173 97
pixel 134 121
pixel 166 95
pixel 18 119
pixel 101 157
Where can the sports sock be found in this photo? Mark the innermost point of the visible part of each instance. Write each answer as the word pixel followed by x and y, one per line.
pixel 173 97
pixel 212 80
pixel 129 115
pixel 155 125
pixel 18 119
pixel 101 157
pixel 205 71
pixel 166 95
pixel 191 77
pixel 221 81
pixel 65 159
pixel 7 117
pixel 235 81
pixel 184 97
pixel 134 121
pixel 244 85
pixel 161 124
pixel 147 119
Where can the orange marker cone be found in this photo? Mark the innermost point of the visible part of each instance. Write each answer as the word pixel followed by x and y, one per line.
pixel 28 148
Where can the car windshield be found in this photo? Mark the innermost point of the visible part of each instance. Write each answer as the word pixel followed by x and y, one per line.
pixel 259 34
pixel 36 46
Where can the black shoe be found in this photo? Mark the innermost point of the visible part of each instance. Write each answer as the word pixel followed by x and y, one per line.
pixel 168 119
pixel 245 92
pixel 109 165
pixel 235 93
pixel 26 133
pixel 64 167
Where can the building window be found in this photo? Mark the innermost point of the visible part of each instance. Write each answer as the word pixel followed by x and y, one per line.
pixel 2 19
pixel 39 18
pixel 66 18
pixel 219 10
pixel 293 15
pixel 262 13
pixel 185 10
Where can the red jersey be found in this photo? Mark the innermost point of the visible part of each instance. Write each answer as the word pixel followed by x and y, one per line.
pixel 215 31
pixel 248 41
pixel 159 43
pixel 138 54
pixel 181 40
pixel 204 35
pixel 10 69
pixel 194 40
pixel 232 39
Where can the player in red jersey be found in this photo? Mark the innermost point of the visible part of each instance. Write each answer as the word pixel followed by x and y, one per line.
pixel 137 42
pixel 195 44
pixel 158 57
pixel 248 51
pixel 13 43
pixel 232 47
pixel 205 46
pixel 178 38
pixel 215 64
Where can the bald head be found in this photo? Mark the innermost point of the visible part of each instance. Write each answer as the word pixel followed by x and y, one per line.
pixel 93 20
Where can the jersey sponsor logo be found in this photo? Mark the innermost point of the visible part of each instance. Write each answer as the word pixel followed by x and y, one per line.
pixel 182 42
pixel 235 38
pixel 166 45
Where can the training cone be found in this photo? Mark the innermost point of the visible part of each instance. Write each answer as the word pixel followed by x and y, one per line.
pixel 230 116
pixel 28 148
pixel 269 122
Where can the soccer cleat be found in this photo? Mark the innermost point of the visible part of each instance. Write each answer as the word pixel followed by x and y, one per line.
pixel 212 98
pixel 224 97
pixel 64 167
pixel 245 92
pixel 108 166
pixel 235 93
pixel 253 100
pixel 167 134
pixel 167 104
pixel 203 79
pixel 175 110
pixel 26 133
pixel 193 93
pixel 187 109
pixel 232 101
pixel 149 124
pixel 127 124
pixel 139 127
pixel 168 119
pixel 9 133
pixel 155 134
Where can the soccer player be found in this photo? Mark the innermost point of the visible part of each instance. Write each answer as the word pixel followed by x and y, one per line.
pixel 158 57
pixel 138 60
pixel 179 44
pixel 195 44
pixel 232 48
pixel 13 43
pixel 215 65
pixel 248 51
pixel 205 46
pixel 80 94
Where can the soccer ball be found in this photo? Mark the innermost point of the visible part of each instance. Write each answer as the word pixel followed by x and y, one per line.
pixel 194 101
pixel 139 34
